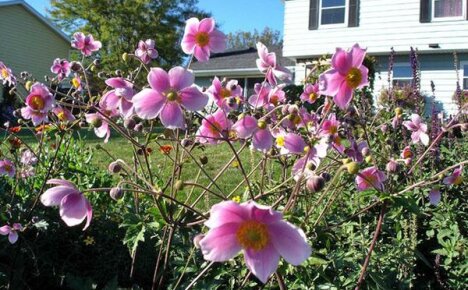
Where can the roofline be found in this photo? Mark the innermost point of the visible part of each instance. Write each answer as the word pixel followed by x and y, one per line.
pixel 383 53
pixel 38 15
pixel 227 72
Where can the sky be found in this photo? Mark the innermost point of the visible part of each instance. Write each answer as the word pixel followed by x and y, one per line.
pixel 232 15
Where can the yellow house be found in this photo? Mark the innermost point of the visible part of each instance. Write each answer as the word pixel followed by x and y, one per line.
pixel 28 41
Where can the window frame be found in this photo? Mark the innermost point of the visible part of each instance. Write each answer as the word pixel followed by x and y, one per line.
pixel 462 73
pixel 450 18
pixel 333 25
pixel 401 64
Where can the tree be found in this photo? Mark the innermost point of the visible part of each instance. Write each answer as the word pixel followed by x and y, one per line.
pixel 245 39
pixel 120 24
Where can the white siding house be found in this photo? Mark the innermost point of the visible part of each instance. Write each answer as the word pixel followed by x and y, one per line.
pixel 436 28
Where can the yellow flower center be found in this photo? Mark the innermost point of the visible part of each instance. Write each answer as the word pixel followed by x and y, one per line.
pixel 253 235
pixel 261 125
pixel 274 100
pixel 75 83
pixel 280 141
pixel 5 73
pixel 7 167
pixel 172 96
pixel 236 199
pixel 313 97
pixel 202 39
pixel 333 130
pixel 37 103
pixel 353 78
pixel 225 93
pixel 61 116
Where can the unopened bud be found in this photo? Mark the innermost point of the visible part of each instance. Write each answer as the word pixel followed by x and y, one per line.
pixel 293 109
pixel 398 111
pixel 203 159
pixel 365 151
pixel 179 185
pixel 261 124
pixel 345 161
pixel 138 127
pixel 125 57
pixel 115 167
pixel 369 159
pixel 28 85
pixel 391 166
pixel 352 167
pixel 129 123
pixel 326 176
pixel 315 184
pixel 75 66
pixel 97 62
pixel 186 142
pixel 116 193
pixel 102 75
pixel 96 123
pixel 118 72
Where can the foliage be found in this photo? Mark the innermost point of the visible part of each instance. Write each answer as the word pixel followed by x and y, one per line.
pixel 245 39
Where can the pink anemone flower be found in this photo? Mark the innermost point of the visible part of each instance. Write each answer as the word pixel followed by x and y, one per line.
pixel 214 128
pixel 261 96
pixel 310 94
pixel 146 51
pixel 86 44
pixel 347 73
pixel 6 75
pixel 201 38
pixel 7 168
pixel 61 67
pixel 248 126
pixel 100 123
pixel 268 65
pixel 38 103
pixel 418 130
pixel 291 143
pixel 370 177
pixel 168 93
pixel 330 129
pixel 63 114
pixel 455 178
pixel 226 96
pixel 12 232
pixel 355 151
pixel 73 205
pixel 120 97
pixel 259 231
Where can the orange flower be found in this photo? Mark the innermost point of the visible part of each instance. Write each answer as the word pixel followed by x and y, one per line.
pixel 14 129
pixel 42 128
pixel 165 149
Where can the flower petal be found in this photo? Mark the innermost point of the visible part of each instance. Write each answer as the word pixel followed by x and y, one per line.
pixel 357 55
pixel 330 82
pixel 262 140
pixel 172 116
pixel 148 103
pixel 13 237
pixel 73 209
pixel 245 127
pixel 5 230
pixel 290 242
pixel 341 61
pixel 158 79
pixel 343 96
pixel 192 99
pixel 180 78
pixel 226 212
pixel 220 243
pixel 53 196
pixel 262 263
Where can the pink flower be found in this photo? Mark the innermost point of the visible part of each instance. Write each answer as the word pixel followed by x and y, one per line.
pixel 7 168
pixel 455 178
pixel 38 103
pixel 305 166
pixel 214 128
pixel 261 96
pixel 291 143
pixel 28 157
pixel 406 153
pixel 227 96
pixel 76 82
pixel 355 150
pixel 100 124
pixel 12 232
pixel 169 92
pixel 61 67
pixel 201 38
pixel 248 126
pixel 259 231
pixel 146 51
pixel 418 129
pixel 120 97
pixel 434 196
pixel 267 64
pixel 63 114
pixel 73 205
pixel 347 73
pixel 370 177
pixel 86 44
pixel 6 75
pixel 311 93
pixel 330 129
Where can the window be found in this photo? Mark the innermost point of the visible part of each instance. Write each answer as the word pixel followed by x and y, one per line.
pixel 333 12
pixel 465 76
pixel 402 75
pixel 448 9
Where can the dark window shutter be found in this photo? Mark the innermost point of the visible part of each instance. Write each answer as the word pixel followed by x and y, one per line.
pixel 425 11
pixel 466 5
pixel 313 14
pixel 353 17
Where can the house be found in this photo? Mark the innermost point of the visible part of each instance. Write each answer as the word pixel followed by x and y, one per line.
pixel 28 41
pixel 239 64
pixel 436 28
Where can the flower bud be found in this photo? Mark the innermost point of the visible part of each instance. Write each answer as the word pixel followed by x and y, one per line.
pixel 116 193
pixel 97 62
pixel 398 111
pixel 75 66
pixel 315 184
pixel 138 127
pixel 28 85
pixel 345 161
pixel 118 72
pixel 326 176
pixel 261 124
pixel 391 166
pixel 96 123
pixel 129 124
pixel 186 142
pixel 352 167
pixel 203 159
pixel 179 185
pixel 369 159
pixel 293 109
pixel 125 57
pixel 115 167
pixel 365 151
pixel 102 75
pixel 98 146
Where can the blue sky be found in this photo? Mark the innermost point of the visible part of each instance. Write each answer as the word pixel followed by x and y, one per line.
pixel 232 15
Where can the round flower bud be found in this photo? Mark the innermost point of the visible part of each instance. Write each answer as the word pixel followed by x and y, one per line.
pixel 365 151
pixel 186 142
pixel 352 167
pixel 96 123
pixel 203 159
pixel 315 184
pixel 138 127
pixel 369 159
pixel 179 185
pixel 102 75
pixel 98 146
pixel 140 151
pixel 115 167
pixel 326 176
pixel 116 193
pixel 97 62
pixel 398 111
pixel 129 124
pixel 125 57
pixel 261 124
pixel 75 66
pixel 293 109
pixel 391 166
pixel 118 72
pixel 28 85
pixel 311 166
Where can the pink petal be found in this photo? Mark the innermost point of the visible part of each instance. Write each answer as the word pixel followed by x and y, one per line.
pixel 434 196
pixel 158 79
pixel 330 82
pixel 262 140
pixel 424 138
pixel 262 263
pixel 245 127
pixel 294 143
pixel 282 73
pixel 109 101
pixel 202 54
pixel 60 182
pixel 117 83
pixel 13 237
pixel 220 243
pixel 206 25
pixel 290 242
pixel 73 209
pixel 5 230
pixel 188 44
pixel 172 116
pixel 192 99
pixel 262 213
pixel 180 78
pixel 217 41
pixel 89 214
pixel 126 108
pixel 357 55
pixel 148 103
pixel 344 96
pixel 226 212
pixel 341 61
pixel 53 196
pixel 364 77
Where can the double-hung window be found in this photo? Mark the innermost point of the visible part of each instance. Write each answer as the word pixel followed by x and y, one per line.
pixel 448 9
pixel 333 12
pixel 465 76
pixel 402 74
